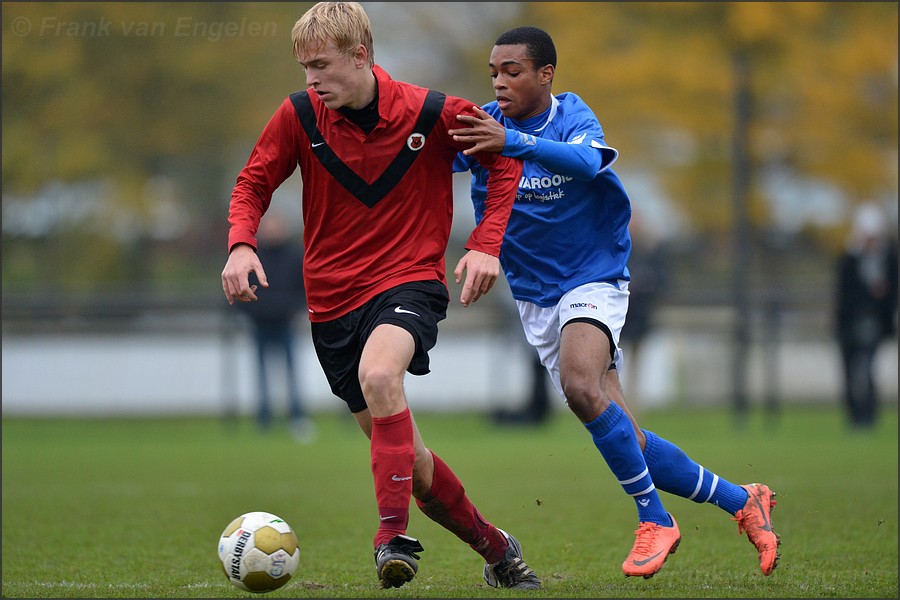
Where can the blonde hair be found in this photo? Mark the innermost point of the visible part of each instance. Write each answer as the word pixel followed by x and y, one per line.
pixel 344 23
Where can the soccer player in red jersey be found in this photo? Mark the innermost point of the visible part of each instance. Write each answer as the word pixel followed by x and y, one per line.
pixel 376 162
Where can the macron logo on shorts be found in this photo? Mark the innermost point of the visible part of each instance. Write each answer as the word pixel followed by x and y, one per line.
pixel 588 305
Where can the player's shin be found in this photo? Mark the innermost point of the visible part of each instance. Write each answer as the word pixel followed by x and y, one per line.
pixel 393 456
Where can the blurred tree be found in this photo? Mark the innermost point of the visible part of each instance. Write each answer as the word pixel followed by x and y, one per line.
pixel 155 105
pixel 823 81
pixel 132 93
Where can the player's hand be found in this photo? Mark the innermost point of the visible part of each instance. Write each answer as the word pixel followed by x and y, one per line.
pixel 236 276
pixel 484 132
pixel 482 270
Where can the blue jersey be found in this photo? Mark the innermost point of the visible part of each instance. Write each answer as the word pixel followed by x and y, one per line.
pixel 569 223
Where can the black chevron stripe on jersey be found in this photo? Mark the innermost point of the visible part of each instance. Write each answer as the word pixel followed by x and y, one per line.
pixel 368 194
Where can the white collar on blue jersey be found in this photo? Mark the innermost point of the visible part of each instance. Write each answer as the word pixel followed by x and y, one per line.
pixel 554 103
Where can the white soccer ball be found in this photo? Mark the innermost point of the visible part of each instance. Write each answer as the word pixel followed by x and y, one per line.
pixel 259 552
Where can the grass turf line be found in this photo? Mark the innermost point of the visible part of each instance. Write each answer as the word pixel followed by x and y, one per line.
pixel 134 507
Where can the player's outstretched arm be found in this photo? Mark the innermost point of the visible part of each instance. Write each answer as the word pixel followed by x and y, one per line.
pixel 581 157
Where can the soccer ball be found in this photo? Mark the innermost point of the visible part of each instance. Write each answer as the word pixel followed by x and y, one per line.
pixel 259 552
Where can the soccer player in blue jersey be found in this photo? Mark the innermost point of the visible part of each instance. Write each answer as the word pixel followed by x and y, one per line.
pixel 565 255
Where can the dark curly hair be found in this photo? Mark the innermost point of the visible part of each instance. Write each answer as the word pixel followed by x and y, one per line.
pixel 538 44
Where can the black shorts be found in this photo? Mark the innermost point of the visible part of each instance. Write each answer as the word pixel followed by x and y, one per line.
pixel 416 307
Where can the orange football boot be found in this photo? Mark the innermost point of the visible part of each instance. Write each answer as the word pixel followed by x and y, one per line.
pixel 756 519
pixel 652 547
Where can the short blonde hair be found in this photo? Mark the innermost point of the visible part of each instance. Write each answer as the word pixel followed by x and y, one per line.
pixel 344 23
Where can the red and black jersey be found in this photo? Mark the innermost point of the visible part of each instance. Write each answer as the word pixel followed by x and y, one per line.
pixel 365 232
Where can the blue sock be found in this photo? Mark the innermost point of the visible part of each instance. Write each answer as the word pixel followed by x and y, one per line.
pixel 614 437
pixel 673 471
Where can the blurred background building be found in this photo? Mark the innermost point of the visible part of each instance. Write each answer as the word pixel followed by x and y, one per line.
pixel 748 133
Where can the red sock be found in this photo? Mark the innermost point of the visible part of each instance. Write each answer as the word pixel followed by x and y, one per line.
pixel 449 507
pixel 393 456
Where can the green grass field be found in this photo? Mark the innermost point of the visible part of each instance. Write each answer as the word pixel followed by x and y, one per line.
pixel 134 508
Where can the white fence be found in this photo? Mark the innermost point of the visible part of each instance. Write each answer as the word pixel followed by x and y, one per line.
pixel 203 371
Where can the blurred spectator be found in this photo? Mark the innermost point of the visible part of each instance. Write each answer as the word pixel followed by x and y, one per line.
pixel 866 309
pixel 648 269
pixel 273 318
pixel 537 409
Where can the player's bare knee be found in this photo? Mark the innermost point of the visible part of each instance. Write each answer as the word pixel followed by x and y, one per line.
pixel 580 391
pixel 376 378
pixel 584 398
pixel 380 385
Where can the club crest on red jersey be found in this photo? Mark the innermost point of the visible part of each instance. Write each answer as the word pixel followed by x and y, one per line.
pixel 415 142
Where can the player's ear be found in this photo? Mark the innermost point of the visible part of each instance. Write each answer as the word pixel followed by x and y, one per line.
pixel 546 74
pixel 361 57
